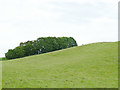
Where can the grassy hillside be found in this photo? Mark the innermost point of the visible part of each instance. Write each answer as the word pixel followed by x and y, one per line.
pixel 0 75
pixel 87 66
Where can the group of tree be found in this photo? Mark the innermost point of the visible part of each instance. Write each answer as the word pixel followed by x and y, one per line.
pixel 39 46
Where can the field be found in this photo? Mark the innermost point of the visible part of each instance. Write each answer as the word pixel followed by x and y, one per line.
pixel 88 66
pixel 0 74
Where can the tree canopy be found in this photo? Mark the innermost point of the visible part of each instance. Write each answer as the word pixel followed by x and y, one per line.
pixel 39 46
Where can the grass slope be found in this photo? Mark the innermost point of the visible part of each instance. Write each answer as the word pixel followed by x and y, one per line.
pixel 0 75
pixel 88 66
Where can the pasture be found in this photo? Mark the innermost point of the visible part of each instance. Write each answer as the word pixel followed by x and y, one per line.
pixel 88 66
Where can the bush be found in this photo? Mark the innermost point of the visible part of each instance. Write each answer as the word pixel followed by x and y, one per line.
pixel 2 59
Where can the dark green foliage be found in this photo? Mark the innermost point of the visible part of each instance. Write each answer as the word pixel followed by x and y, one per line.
pixel 15 53
pixel 2 59
pixel 19 52
pixel 10 54
pixel 41 45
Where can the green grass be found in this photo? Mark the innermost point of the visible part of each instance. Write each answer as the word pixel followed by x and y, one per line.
pixel 0 74
pixel 88 66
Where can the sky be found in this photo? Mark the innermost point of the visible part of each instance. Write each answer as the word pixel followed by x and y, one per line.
pixel 88 21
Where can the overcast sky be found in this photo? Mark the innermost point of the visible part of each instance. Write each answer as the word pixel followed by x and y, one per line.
pixel 88 21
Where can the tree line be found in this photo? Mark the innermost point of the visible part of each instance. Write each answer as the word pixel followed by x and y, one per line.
pixel 39 46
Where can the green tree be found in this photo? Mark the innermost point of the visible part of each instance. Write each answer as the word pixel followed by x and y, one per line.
pixel 10 54
pixel 41 45
pixel 19 52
